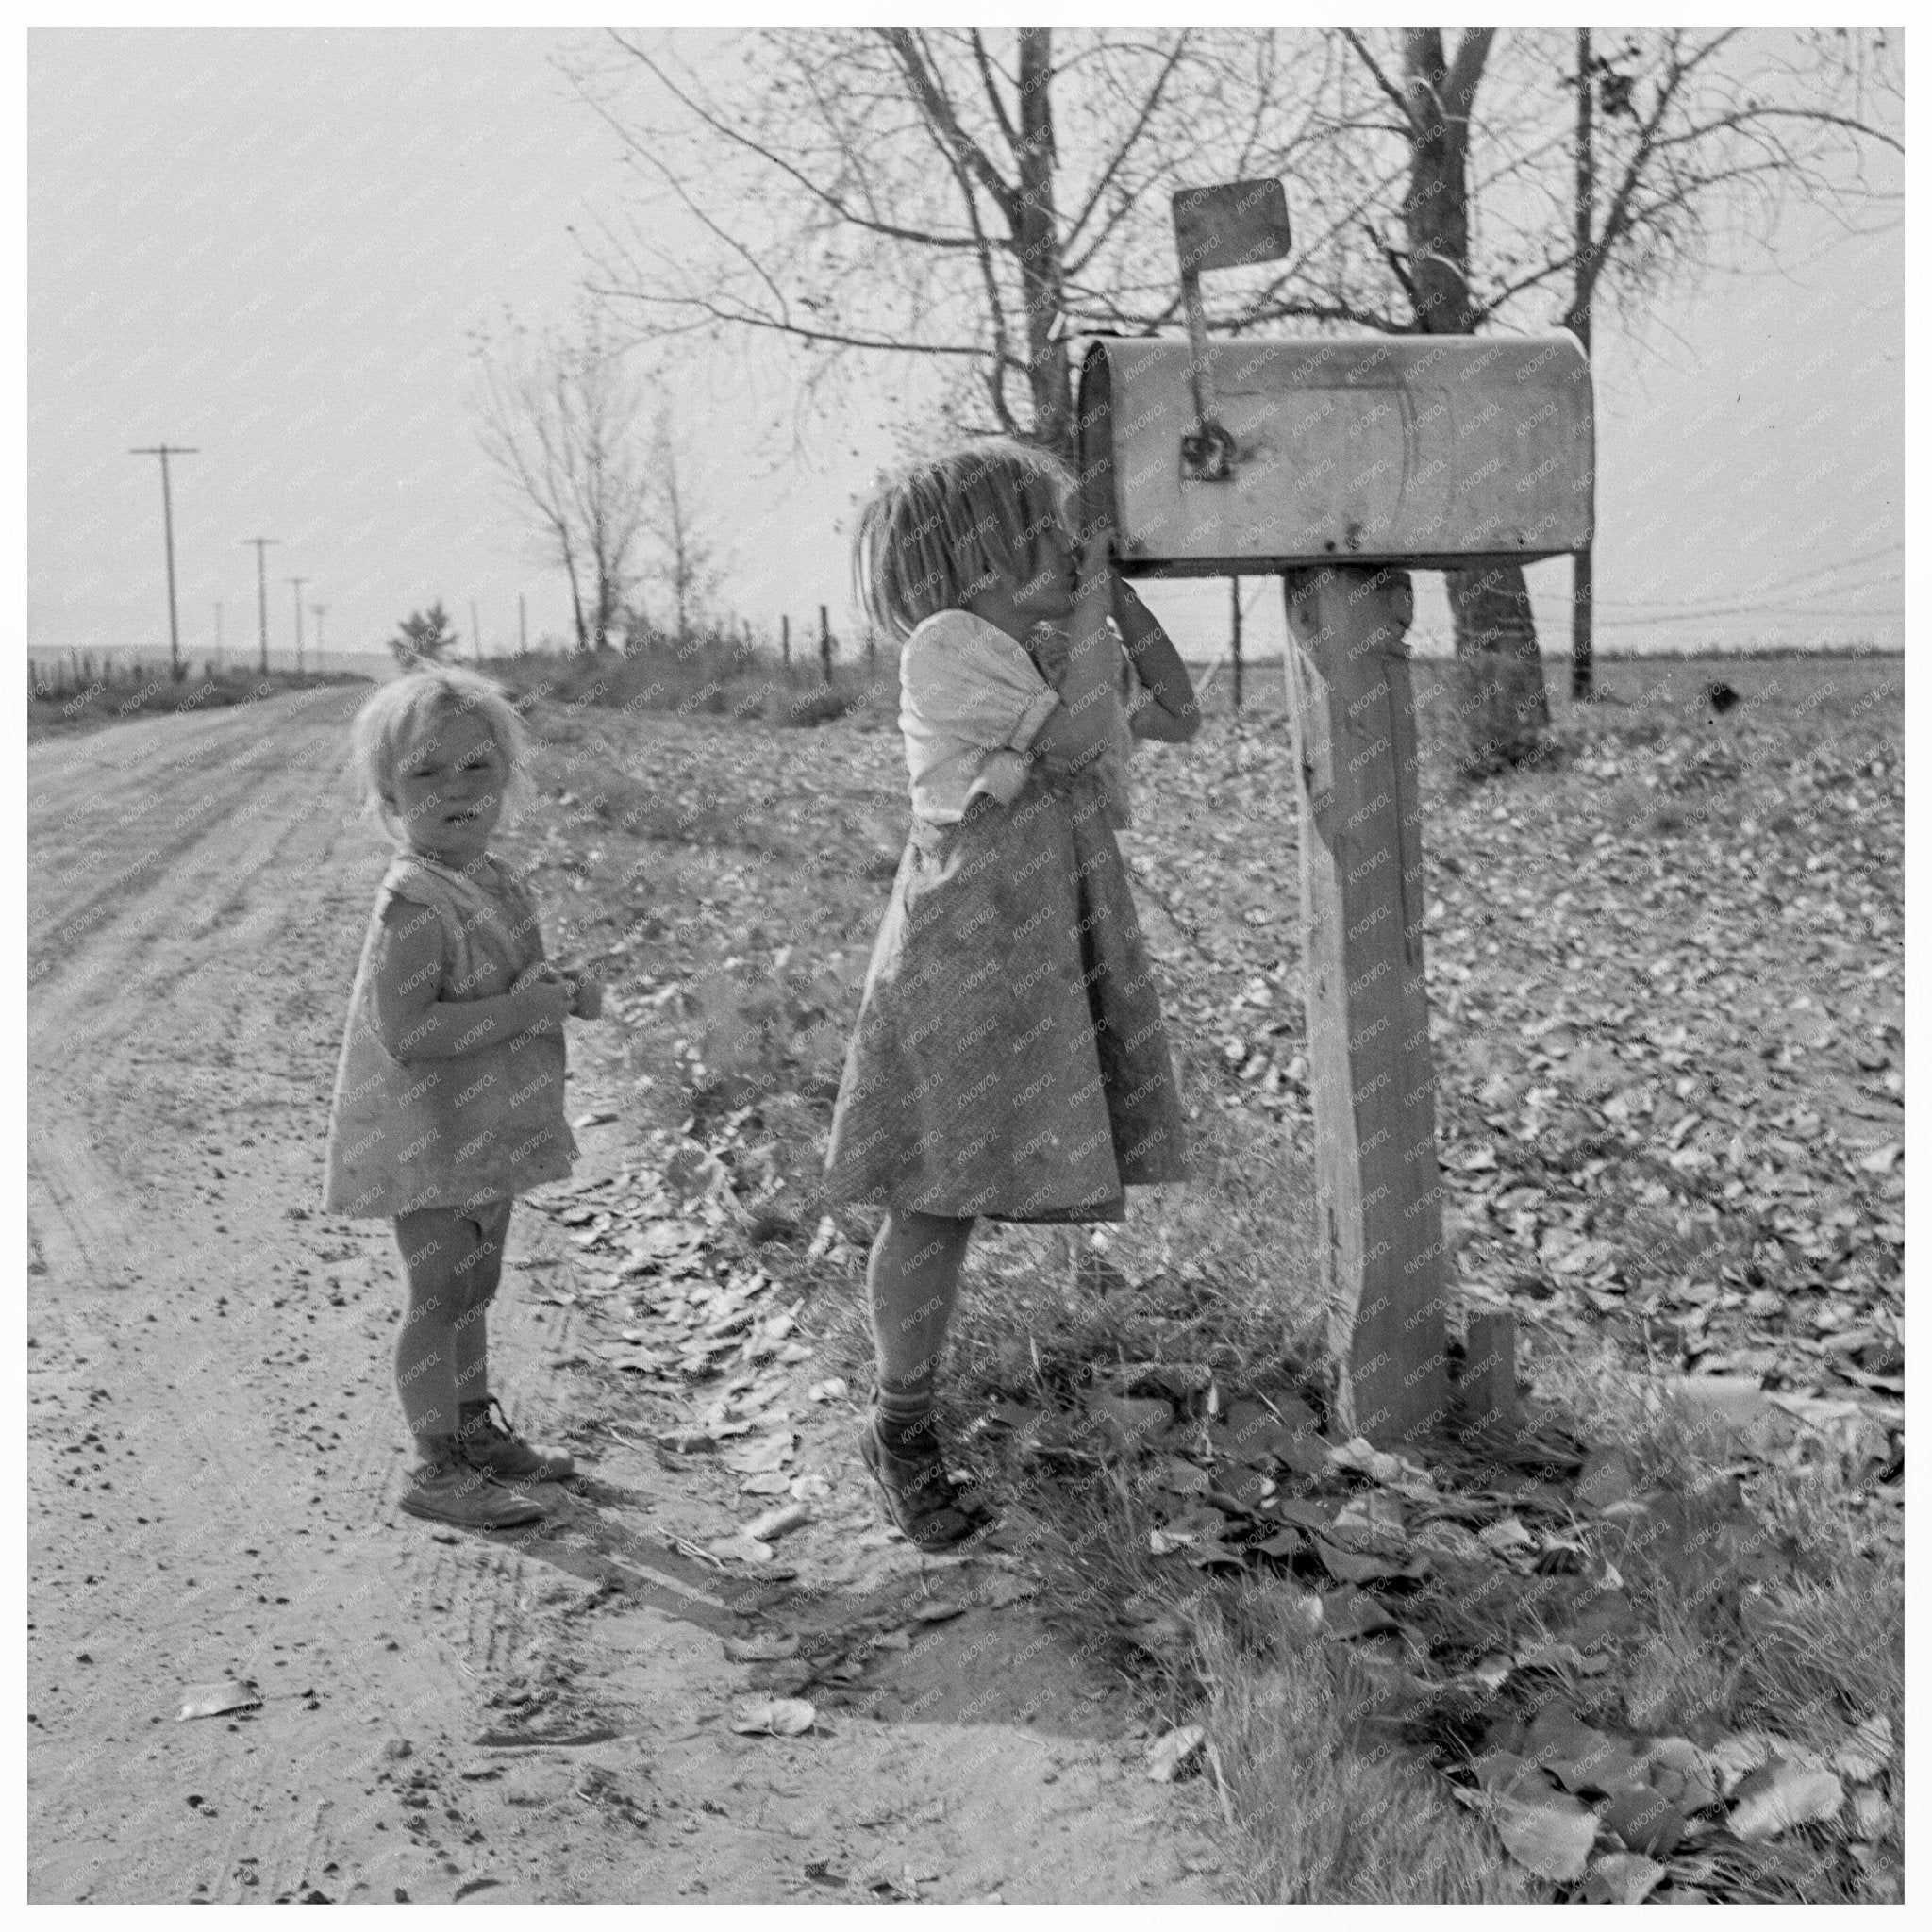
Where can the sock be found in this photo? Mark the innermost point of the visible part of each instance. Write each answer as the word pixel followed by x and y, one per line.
pixel 432 1450
pixel 905 1413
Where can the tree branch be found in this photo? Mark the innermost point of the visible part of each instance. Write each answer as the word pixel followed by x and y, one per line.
pixel 1381 79
pixel 945 125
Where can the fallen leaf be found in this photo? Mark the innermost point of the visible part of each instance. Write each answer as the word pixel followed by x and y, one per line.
pixel 217 1699
pixel 1167 1755
pixel 1125 1424
pixel 1350 1612
pixel 1623 1878
pixel 764 1648
pixel 1780 1796
pixel 938 1610
pixel 1645 1819
pixel 1545 1829
pixel 763 1453
pixel 1506 1535
pixel 776 1523
pixel 833 1389
pixel 1000 1588
pixel 1579 1758
pixel 1866 1752
pixel 1873 1813
pixel 743 1549
pixel 774 1717
pixel 1737 1753
pixel 1683 1773
pixel 1178 1477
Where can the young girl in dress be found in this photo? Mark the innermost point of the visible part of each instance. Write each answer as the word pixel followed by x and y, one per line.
pixel 449 1096
pixel 1009 1058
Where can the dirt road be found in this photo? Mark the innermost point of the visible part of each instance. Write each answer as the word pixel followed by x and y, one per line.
pixel 441 1716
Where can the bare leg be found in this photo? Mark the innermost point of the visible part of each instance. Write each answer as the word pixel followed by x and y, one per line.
pixel 483 1271
pixel 437 1244
pixel 914 1280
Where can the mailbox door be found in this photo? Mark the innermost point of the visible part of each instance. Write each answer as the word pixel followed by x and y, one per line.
pixel 1434 450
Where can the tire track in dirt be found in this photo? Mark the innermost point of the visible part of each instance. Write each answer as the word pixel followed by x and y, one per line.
pixel 214 1446
pixel 147 969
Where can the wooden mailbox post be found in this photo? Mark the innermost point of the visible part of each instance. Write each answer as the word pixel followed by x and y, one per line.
pixel 1340 463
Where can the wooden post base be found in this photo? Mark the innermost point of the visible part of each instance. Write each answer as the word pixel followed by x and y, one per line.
pixel 1488 1391
pixel 1378 1190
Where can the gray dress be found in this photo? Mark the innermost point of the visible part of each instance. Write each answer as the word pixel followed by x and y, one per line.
pixel 1009 1058
pixel 460 1132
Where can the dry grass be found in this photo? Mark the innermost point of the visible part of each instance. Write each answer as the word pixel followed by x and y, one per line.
pixel 85 692
pixel 741 904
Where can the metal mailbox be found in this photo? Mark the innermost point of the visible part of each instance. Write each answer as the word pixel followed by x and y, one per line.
pixel 1432 451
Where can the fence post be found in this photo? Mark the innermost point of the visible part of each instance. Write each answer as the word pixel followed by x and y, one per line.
pixel 785 647
pixel 825 642
pixel 1235 638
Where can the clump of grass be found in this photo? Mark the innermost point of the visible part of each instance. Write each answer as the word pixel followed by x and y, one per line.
pixel 1323 1811
pixel 1802 1652
pixel 708 675
pixel 86 693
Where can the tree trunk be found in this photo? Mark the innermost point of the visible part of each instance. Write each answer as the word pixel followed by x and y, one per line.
pixel 1582 577
pixel 576 602
pixel 1039 245
pixel 1500 705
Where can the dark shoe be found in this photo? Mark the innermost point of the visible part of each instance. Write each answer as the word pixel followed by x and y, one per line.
pixel 455 1493
pixel 919 1499
pixel 486 1440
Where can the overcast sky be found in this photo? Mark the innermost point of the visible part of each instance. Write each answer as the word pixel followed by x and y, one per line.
pixel 278 246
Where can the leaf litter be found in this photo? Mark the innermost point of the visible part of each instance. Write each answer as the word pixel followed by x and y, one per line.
pixel 1697 1160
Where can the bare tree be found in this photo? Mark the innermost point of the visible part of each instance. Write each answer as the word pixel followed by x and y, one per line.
pixel 561 416
pixel 968 202
pixel 960 199
pixel 1700 141
pixel 688 564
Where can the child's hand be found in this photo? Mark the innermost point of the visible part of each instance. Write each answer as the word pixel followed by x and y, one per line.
pixel 586 995
pixel 546 992
pixel 1096 562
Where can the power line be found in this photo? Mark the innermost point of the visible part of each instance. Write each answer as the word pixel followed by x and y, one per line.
pixel 165 450
pixel 1839 611
pixel 1682 615
pixel 1780 584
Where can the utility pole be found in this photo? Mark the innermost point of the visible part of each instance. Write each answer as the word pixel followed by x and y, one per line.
pixel 262 544
pixel 164 451
pixel 825 642
pixel 1582 570
pixel 475 630
pixel 298 582
pixel 321 612
pixel 785 646
pixel 1235 637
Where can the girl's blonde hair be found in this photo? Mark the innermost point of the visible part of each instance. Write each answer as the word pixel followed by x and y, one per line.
pixel 389 724
pixel 934 534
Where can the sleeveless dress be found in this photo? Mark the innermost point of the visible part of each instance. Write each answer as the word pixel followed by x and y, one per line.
pixel 448 1133
pixel 1009 1058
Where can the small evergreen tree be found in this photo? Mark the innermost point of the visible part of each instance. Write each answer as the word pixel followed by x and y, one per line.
pixel 424 636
